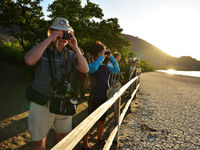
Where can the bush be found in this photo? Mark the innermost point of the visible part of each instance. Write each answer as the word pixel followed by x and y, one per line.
pixel 13 51
pixel 146 66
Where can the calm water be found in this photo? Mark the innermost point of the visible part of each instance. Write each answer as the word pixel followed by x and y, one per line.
pixel 184 73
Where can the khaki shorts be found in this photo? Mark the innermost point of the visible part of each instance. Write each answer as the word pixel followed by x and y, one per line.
pixel 40 120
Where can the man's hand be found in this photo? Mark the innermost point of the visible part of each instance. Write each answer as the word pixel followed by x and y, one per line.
pixel 55 35
pixel 73 43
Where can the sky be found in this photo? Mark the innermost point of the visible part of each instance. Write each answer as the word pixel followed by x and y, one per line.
pixel 171 25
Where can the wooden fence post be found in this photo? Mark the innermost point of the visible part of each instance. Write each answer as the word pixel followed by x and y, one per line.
pixel 117 116
pixel 138 81
pixel 135 86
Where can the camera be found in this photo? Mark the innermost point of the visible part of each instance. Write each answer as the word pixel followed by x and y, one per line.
pixel 67 36
pixel 107 53
pixel 61 87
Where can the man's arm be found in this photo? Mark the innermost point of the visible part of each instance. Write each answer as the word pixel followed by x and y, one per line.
pixel 33 55
pixel 82 63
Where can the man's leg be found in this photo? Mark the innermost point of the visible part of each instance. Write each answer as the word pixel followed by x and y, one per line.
pixel 63 125
pixel 100 130
pixel 60 136
pixel 39 145
pixel 40 121
pixel 85 141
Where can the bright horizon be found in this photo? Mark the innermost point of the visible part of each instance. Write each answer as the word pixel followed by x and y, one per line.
pixel 171 25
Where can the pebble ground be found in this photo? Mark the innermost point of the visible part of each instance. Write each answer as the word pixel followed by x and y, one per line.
pixel 168 116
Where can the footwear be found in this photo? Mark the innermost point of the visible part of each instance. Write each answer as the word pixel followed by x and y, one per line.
pixel 101 142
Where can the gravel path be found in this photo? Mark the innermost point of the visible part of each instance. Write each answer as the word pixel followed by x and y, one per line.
pixel 168 116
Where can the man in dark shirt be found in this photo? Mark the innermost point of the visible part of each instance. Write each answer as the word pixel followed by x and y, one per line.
pixel 40 119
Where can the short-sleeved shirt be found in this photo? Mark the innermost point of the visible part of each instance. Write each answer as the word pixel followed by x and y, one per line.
pixel 64 62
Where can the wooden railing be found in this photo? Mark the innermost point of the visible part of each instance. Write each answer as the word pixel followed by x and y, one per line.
pixel 74 137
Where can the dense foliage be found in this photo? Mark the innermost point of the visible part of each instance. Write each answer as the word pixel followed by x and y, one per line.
pixel 87 30
pixel 25 21
pixel 146 66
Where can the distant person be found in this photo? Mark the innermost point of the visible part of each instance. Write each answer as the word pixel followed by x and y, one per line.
pixel 117 56
pixel 80 83
pixel 116 76
pixel 89 59
pixel 138 69
pixel 40 119
pixel 114 80
pixel 137 64
pixel 132 69
pixel 99 73
pixel 128 69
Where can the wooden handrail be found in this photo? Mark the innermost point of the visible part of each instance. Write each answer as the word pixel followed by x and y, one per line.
pixel 114 131
pixel 71 140
pixel 127 105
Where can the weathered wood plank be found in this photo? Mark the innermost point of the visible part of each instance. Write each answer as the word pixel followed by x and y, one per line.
pixel 70 141
pixel 110 139
pixel 117 115
pixel 114 131
pixel 127 105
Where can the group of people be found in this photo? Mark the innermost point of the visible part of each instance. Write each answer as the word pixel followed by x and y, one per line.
pixel 133 68
pixel 100 64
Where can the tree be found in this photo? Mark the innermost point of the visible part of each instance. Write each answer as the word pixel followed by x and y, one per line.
pixel 24 20
pixel 87 30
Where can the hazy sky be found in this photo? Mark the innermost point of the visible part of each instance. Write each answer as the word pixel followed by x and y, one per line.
pixel 171 25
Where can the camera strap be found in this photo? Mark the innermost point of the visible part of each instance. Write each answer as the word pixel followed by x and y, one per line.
pixel 52 73
pixel 51 64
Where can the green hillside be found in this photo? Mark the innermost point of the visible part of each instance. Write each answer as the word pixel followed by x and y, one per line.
pixel 149 52
pixel 158 58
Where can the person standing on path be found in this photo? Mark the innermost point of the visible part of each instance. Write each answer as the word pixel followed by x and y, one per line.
pixel 99 73
pixel 40 119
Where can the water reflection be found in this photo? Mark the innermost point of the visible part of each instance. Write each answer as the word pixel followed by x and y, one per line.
pixel 184 73
pixel 171 71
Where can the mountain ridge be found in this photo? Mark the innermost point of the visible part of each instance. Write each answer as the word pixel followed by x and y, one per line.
pixel 159 58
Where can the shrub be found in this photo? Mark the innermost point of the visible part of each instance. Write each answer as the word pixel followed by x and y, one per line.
pixel 12 51
pixel 146 66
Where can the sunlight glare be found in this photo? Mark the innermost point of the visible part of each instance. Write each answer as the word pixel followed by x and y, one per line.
pixel 173 30
pixel 171 71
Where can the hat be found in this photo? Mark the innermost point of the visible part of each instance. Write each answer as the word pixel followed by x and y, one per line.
pixel 136 59
pixel 61 24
